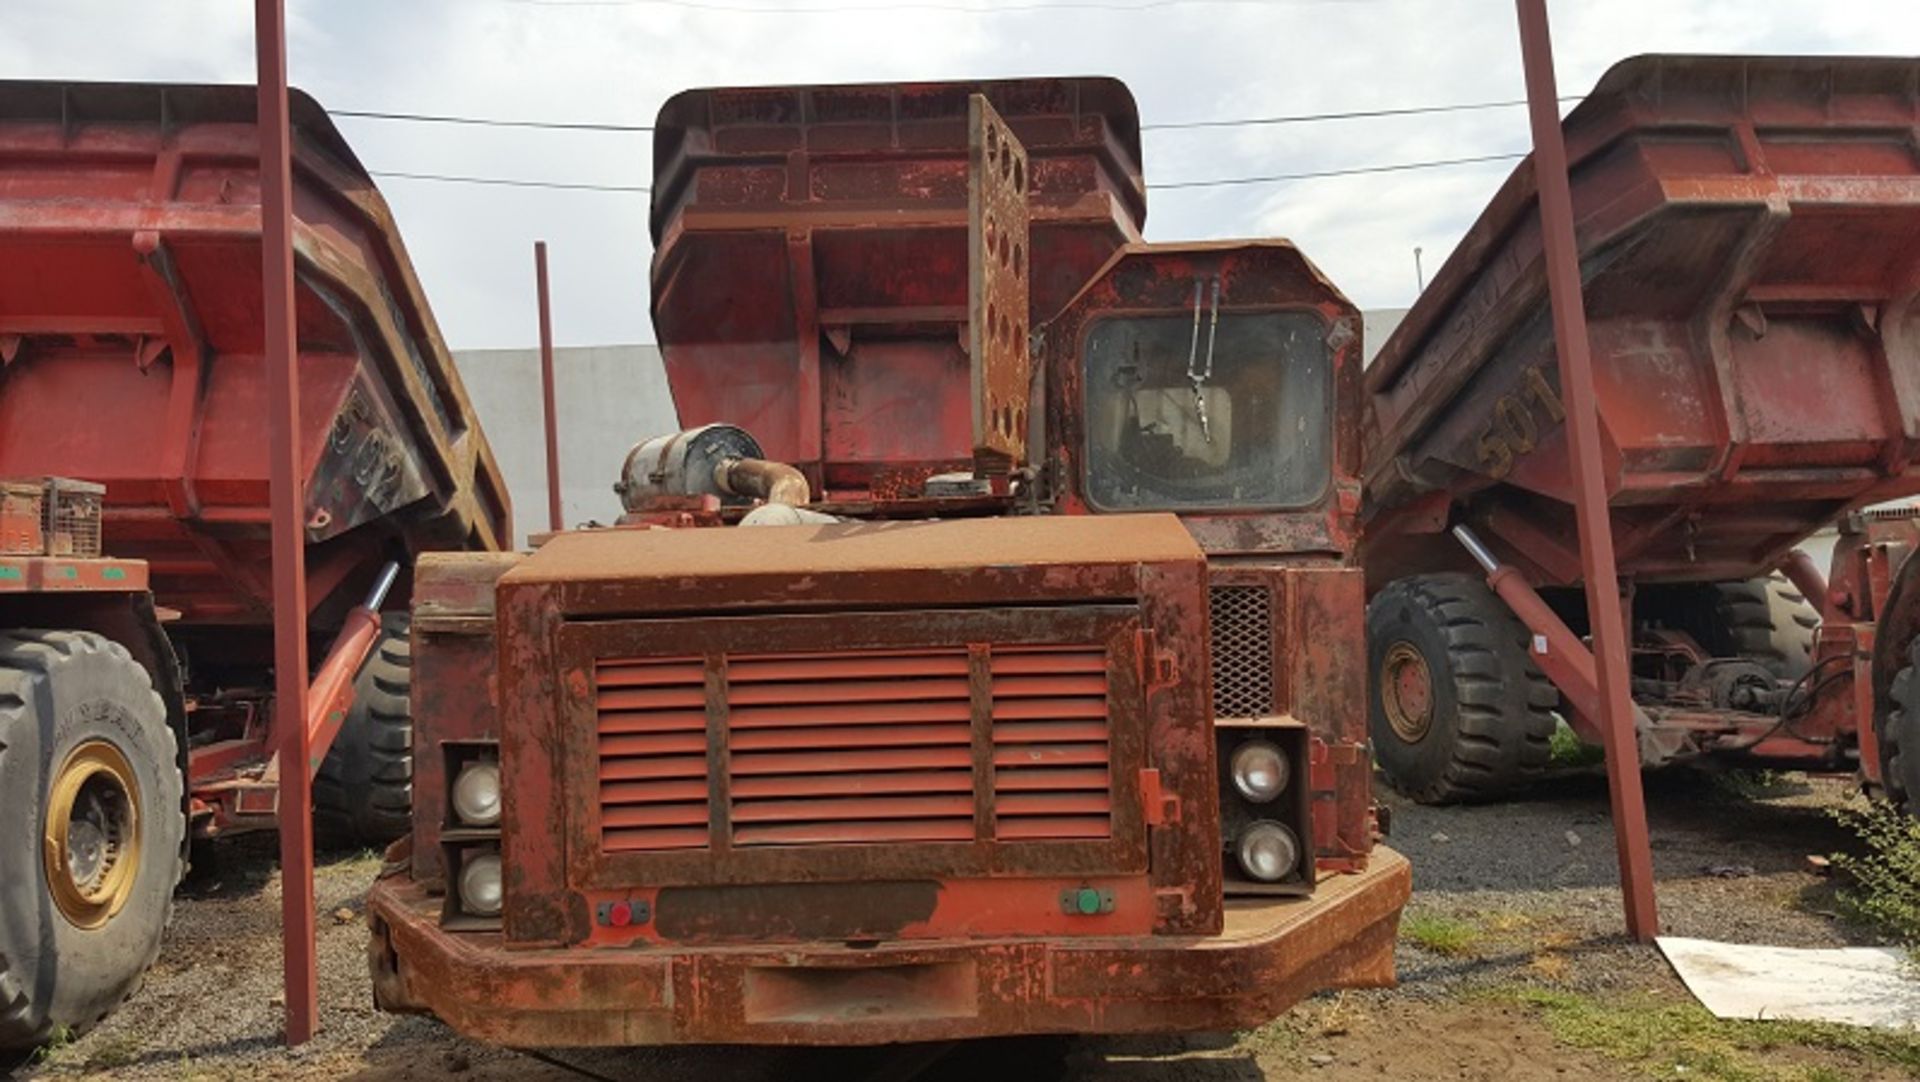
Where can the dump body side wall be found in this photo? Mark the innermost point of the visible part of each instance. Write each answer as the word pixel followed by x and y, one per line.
pixel 130 348
pixel 810 282
pixel 1748 230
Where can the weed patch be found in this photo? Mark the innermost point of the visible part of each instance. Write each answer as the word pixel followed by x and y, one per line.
pixel 1663 1039
pixel 1441 935
pixel 1565 750
pixel 1886 876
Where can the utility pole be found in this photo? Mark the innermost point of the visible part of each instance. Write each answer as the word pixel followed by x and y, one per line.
pixel 1589 483
pixel 287 495
pixel 555 521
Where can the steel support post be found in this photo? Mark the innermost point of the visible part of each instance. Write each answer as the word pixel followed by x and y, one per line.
pixel 554 520
pixel 1589 485
pixel 279 354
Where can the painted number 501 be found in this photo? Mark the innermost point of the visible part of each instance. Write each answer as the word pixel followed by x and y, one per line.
pixel 1514 428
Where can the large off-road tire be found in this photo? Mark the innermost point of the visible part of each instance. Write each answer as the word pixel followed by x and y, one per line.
pixel 1457 709
pixel 91 836
pixel 1765 620
pixel 363 794
pixel 1898 732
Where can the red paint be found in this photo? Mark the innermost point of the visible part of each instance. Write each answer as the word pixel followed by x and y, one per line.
pixel 1726 243
pixel 977 744
pixel 286 491
pixel 1611 672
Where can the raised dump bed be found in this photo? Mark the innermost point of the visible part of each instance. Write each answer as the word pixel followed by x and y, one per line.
pixel 1749 234
pixel 810 278
pixel 1749 242
pixel 135 569
pixel 130 343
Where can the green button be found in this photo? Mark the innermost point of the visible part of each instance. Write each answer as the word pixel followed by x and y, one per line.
pixel 1088 900
pixel 113 574
pixel 10 573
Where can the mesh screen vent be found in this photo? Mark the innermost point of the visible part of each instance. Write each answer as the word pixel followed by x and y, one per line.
pixel 1242 651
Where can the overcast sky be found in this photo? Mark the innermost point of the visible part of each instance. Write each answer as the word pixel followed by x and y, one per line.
pixel 617 60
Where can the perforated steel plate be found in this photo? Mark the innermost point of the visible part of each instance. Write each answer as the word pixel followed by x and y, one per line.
pixel 997 290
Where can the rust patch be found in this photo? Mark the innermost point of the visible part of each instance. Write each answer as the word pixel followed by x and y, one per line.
pixel 804 911
pixel 997 291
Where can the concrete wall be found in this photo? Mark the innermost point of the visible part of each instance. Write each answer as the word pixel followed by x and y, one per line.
pixel 1376 326
pixel 609 397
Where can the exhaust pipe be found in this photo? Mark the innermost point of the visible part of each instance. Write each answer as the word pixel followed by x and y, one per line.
pixel 760 479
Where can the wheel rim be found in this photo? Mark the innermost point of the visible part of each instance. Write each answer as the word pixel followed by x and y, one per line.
pixel 1406 692
pixel 91 844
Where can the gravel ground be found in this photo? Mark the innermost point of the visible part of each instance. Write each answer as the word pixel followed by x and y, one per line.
pixel 1506 896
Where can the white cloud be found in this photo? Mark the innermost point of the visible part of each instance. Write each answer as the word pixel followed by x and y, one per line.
pixel 619 62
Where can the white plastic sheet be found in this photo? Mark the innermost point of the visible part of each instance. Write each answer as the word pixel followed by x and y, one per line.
pixel 1862 986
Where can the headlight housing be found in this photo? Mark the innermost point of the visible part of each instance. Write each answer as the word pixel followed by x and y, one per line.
pixel 480 887
pixel 476 793
pixel 1268 851
pixel 1259 770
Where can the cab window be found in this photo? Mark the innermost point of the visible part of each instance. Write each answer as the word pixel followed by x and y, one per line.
pixel 1170 428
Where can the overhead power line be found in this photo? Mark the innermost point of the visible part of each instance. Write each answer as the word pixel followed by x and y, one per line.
pixel 510 182
pixel 1219 182
pixel 928 5
pixel 1396 167
pixel 1354 114
pixel 489 122
pixel 1174 125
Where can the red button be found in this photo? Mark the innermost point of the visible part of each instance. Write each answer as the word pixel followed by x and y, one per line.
pixel 620 915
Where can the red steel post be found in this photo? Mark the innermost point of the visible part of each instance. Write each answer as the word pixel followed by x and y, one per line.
pixel 1590 493
pixel 554 521
pixel 279 354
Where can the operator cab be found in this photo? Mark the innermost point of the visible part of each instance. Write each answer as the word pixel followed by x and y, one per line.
pixel 1202 380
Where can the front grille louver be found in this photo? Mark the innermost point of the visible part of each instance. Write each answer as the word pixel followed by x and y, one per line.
pixel 1050 753
pixel 652 718
pixel 832 748
pixel 855 747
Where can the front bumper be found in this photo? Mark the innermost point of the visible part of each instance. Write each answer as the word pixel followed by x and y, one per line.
pixel 1272 953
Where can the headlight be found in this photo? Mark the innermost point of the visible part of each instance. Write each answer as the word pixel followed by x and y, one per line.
pixel 1260 770
pixel 476 793
pixel 1268 851
pixel 480 885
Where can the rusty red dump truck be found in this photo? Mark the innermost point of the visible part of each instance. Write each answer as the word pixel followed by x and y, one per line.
pixel 1749 235
pixel 135 622
pixel 986 658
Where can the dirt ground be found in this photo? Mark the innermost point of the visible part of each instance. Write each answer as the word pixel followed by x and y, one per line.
pixel 1510 962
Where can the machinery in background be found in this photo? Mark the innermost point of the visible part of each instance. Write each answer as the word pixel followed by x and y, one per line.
pixel 1749 230
pixel 135 607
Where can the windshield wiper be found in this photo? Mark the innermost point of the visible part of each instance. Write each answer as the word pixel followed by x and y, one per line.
pixel 1197 377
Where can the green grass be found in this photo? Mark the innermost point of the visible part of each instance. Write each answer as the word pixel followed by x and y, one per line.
pixel 1886 874
pixel 56 1043
pixel 1750 784
pixel 112 1052
pixel 1441 935
pixel 1667 1040
pixel 1564 749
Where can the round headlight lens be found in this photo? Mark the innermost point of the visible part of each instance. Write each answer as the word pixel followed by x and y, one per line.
pixel 1260 770
pixel 480 885
pixel 476 794
pixel 1268 851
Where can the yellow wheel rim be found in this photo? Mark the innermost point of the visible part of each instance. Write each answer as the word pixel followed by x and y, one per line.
pixel 1406 692
pixel 91 844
